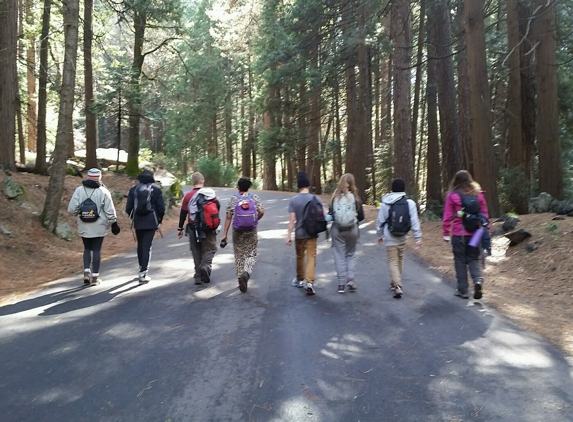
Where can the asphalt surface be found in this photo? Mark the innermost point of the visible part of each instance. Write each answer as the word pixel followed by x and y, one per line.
pixel 172 351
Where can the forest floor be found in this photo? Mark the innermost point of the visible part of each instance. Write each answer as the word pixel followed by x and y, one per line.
pixel 534 289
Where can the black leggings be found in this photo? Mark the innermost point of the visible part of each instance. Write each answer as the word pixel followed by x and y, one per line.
pixel 144 240
pixel 92 252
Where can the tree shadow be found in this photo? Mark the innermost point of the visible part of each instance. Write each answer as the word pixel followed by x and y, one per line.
pixel 39 301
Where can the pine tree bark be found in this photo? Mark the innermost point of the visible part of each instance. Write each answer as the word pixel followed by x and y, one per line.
pixel 91 121
pixel 464 113
pixel 548 142
pixel 401 36
pixel 32 117
pixel 8 82
pixel 40 166
pixel 527 74
pixel 64 135
pixel 482 148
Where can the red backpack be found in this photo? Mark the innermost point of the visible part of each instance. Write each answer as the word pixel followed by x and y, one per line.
pixel 207 216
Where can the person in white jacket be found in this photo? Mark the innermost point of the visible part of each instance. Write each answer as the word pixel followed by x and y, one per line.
pixel 93 222
pixel 395 244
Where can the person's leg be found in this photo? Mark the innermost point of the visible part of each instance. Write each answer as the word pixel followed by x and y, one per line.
pixel 238 251
pixel 310 259
pixel 208 250
pixel 338 250
pixel 300 245
pixel 195 248
pixel 401 249
pixel 393 265
pixel 351 242
pixel 460 264
pixel 97 243
pixel 475 272
pixel 87 259
pixel 146 242
pixel 139 237
pixel 251 243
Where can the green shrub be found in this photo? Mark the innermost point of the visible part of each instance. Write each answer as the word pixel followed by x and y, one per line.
pixel 553 228
pixel 216 173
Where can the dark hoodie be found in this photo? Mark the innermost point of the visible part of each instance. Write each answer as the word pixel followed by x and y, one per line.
pixel 88 183
pixel 152 220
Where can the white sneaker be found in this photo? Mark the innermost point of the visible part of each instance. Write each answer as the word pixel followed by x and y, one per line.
pixel 143 278
pixel 298 283
pixel 309 289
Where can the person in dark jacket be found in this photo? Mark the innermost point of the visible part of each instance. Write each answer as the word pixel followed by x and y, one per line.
pixel 146 208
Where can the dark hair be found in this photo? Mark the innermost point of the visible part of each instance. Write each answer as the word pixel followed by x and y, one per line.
pixel 244 184
pixel 302 180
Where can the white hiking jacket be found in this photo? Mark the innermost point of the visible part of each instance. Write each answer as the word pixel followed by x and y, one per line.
pixel 389 239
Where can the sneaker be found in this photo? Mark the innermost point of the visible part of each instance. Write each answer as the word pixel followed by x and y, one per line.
pixel 309 289
pixel 205 276
pixel 463 295
pixel 243 280
pixel 87 278
pixel 143 278
pixel 398 292
pixel 477 289
pixel 298 283
pixel 351 285
pixel 198 281
pixel 95 280
pixel 341 288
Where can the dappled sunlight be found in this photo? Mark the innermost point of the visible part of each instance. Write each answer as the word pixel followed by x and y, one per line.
pixel 348 345
pixel 126 331
pixel 60 395
pixel 499 246
pixel 299 409
pixel 273 234
pixel 67 348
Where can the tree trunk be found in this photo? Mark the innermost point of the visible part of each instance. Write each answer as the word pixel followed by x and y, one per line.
pixel 403 154
pixel 433 166
pixel 64 135
pixel 8 82
pixel 464 119
pixel 91 119
pixel 418 65
pixel 134 101
pixel 482 148
pixel 40 166
pixel 20 129
pixel 314 121
pixel 548 142
pixel 442 38
pixel 527 90
pixel 31 78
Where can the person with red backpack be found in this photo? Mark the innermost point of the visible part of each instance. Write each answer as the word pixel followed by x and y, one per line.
pixel 244 211
pixel 200 209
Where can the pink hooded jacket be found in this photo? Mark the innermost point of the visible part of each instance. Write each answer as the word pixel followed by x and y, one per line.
pixel 452 206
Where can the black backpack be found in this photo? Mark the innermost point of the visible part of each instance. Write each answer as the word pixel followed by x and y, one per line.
pixel 313 217
pixel 399 217
pixel 142 201
pixel 88 209
pixel 471 218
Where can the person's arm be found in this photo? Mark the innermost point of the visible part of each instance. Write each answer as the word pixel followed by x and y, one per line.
pixel 380 222
pixel 74 205
pixel 291 224
pixel 360 212
pixel 483 205
pixel 228 219
pixel 259 206
pixel 447 217
pixel 129 202
pixel 108 207
pixel 415 221
pixel 159 205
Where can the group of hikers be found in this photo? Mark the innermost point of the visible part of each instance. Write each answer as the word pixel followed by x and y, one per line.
pixel 465 226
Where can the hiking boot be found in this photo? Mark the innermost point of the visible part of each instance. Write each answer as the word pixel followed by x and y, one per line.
pixel 243 280
pixel 309 289
pixel 87 277
pixel 298 283
pixel 205 275
pixel 143 278
pixel 341 288
pixel 398 292
pixel 463 295
pixel 95 280
pixel 351 285
pixel 477 289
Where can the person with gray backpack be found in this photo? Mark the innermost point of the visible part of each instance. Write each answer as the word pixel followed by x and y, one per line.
pixel 397 216
pixel 93 205
pixel 244 210
pixel 345 212
pixel 146 208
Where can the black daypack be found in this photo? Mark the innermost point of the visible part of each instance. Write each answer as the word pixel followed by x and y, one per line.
pixel 471 217
pixel 313 217
pixel 399 217
pixel 142 201
pixel 88 209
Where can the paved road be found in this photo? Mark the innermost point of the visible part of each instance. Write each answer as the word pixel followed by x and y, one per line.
pixel 170 351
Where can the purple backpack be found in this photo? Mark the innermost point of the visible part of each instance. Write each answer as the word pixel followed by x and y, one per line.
pixel 246 215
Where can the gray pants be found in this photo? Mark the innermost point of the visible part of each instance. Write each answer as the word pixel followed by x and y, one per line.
pixel 462 262
pixel 344 246
pixel 203 252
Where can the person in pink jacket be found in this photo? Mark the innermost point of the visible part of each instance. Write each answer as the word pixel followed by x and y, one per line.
pixel 454 231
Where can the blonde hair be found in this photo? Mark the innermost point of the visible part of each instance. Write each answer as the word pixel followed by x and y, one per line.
pixel 346 184
pixel 464 181
pixel 197 178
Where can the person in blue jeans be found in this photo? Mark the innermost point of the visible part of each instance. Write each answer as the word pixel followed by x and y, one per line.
pixel 146 208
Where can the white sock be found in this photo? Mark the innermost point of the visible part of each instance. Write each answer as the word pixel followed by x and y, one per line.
pixel 87 270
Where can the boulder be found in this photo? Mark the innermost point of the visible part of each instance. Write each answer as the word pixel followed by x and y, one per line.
pixel 563 208
pixel 509 224
pixel 542 203
pixel 64 231
pixel 12 189
pixel 517 236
